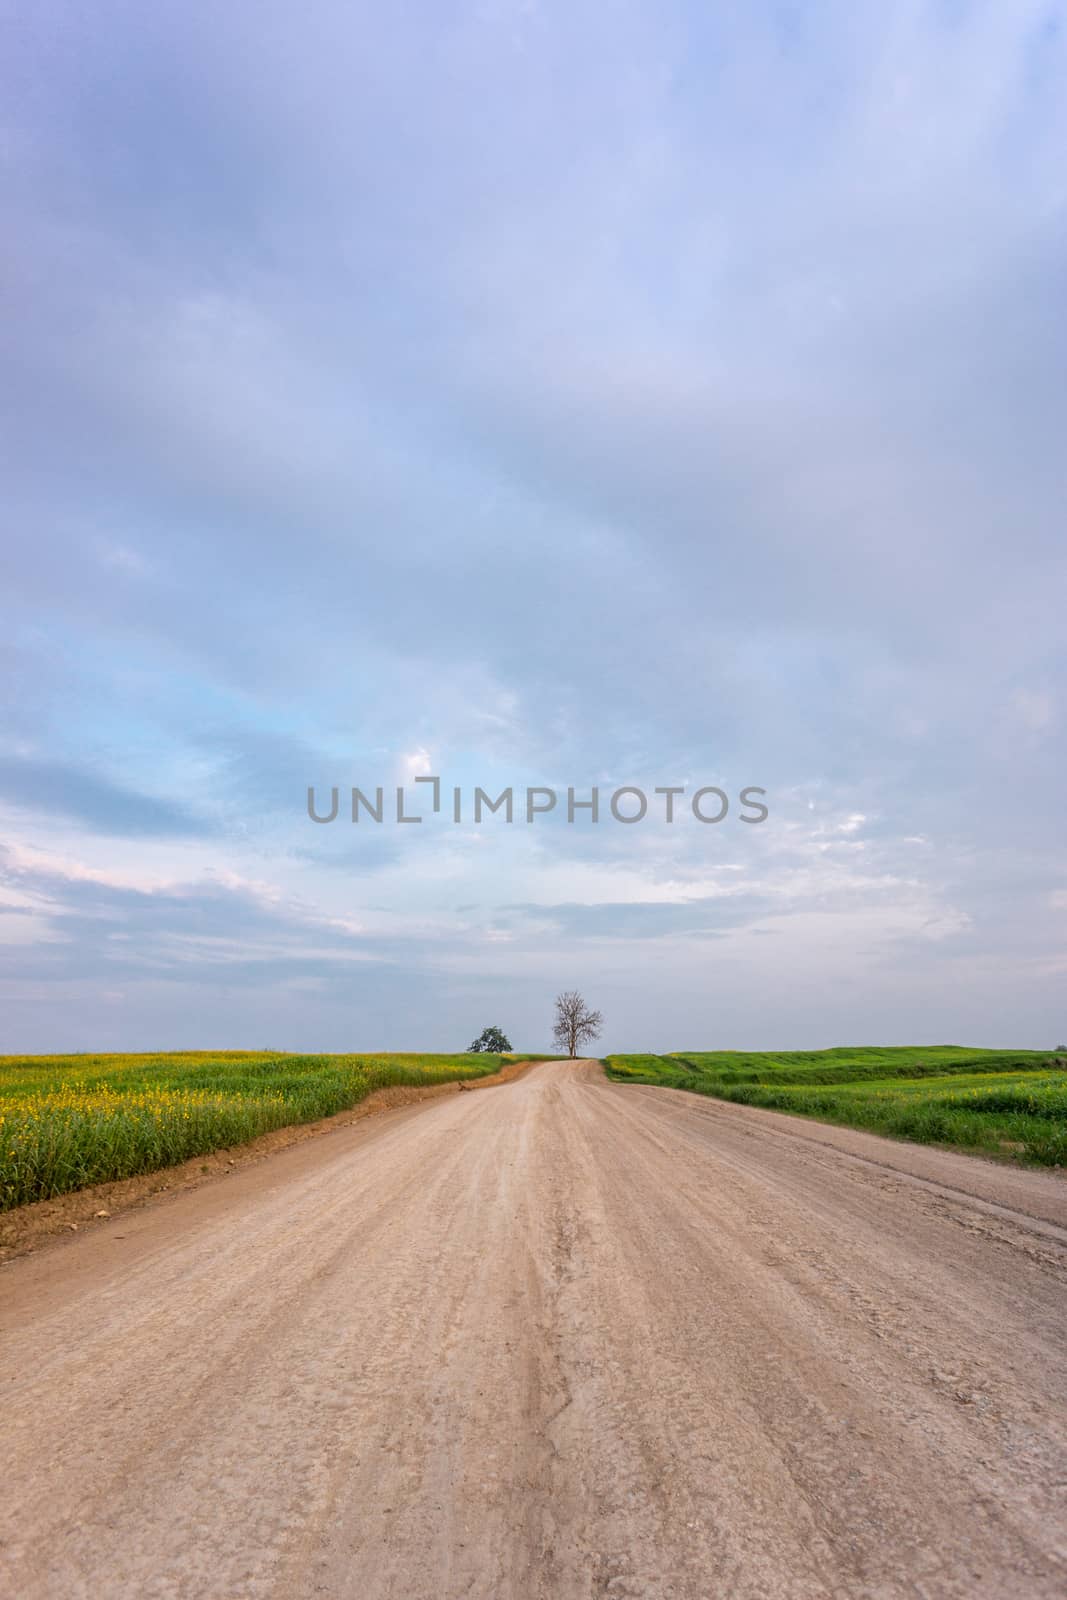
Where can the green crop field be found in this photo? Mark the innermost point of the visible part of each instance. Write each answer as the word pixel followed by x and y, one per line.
pixel 1008 1103
pixel 68 1121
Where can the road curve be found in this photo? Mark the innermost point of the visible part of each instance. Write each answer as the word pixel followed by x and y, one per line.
pixel 562 1338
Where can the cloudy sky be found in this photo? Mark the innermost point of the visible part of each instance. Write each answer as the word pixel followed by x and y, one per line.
pixel 533 393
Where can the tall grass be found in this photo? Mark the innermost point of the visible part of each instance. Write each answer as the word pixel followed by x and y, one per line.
pixel 69 1121
pixel 1005 1103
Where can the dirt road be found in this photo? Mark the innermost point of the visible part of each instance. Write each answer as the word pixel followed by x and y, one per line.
pixel 558 1339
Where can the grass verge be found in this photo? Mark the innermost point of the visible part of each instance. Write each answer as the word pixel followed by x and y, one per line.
pixel 1007 1103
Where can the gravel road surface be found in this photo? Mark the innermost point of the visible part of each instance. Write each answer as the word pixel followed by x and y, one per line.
pixel 561 1338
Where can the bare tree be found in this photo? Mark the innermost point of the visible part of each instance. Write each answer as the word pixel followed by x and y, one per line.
pixel 575 1023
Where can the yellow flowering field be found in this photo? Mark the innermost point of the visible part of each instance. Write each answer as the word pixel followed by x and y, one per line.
pixel 68 1121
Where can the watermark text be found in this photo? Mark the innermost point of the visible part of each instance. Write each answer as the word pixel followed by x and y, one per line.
pixel 628 804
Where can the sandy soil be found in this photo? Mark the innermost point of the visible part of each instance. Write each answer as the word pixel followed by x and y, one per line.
pixel 568 1339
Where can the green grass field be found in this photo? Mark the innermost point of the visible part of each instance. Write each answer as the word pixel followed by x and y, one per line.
pixel 68 1121
pixel 1007 1103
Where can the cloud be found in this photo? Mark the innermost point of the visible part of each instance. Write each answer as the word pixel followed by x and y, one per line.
pixel 546 399
pixel 46 788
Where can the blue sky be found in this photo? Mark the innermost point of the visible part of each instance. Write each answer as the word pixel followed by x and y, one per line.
pixel 533 394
